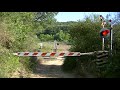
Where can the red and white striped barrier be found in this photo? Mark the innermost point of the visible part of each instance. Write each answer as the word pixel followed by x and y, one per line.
pixel 54 54
pixel 46 54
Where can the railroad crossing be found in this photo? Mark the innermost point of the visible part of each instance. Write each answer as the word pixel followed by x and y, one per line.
pixel 101 55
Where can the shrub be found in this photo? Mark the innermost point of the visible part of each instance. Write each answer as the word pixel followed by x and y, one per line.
pixel 46 37
pixel 85 38
pixel 8 63
pixel 69 64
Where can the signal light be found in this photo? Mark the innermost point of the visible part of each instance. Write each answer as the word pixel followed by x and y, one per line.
pixel 104 33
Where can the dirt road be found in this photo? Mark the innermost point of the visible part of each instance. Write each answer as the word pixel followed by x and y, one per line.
pixel 51 69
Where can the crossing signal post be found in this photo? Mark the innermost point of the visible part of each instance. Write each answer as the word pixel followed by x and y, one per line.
pixel 107 35
pixel 104 34
pixel 103 24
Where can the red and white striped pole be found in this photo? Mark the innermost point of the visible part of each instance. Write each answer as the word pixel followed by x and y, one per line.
pixel 43 54
pixel 46 54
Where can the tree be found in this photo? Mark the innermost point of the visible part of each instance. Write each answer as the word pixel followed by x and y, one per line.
pixel 17 34
pixel 85 36
pixel 44 21
pixel 46 18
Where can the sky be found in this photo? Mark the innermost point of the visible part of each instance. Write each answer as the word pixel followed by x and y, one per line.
pixel 75 16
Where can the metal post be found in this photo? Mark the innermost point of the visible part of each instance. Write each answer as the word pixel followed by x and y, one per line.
pixel 103 44
pixel 55 46
pixel 111 40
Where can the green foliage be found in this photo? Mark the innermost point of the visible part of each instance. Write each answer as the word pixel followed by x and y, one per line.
pixel 46 18
pixel 69 64
pixel 8 63
pixel 6 37
pixel 46 37
pixel 30 43
pixel 60 31
pixel 85 36
pixel 18 34
pixel 43 16
pixel 64 36
pixel 29 63
pixel 85 64
pixel 113 68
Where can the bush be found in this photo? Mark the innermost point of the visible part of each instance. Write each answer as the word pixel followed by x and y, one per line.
pixel 85 38
pixel 10 42
pixel 46 37
pixel 69 64
pixel 8 64
pixel 29 63
pixel 80 65
pixel 6 38
pixel 113 68
pixel 86 64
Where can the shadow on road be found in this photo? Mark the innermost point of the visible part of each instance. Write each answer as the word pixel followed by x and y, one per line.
pixel 52 71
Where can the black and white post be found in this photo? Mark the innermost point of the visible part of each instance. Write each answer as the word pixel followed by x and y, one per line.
pixel 103 39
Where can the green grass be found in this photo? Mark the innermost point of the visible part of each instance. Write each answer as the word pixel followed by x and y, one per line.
pixel 49 47
pixel 8 65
